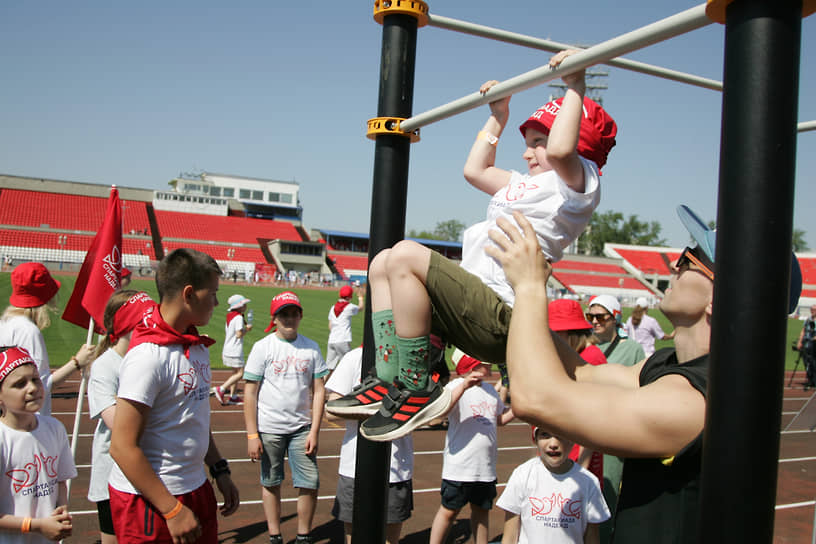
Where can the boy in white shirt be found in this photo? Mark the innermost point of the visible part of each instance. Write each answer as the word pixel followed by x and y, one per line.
pixel 471 447
pixel 552 499
pixel 415 291
pixel 340 315
pixel 161 439
pixel 400 486
pixel 283 406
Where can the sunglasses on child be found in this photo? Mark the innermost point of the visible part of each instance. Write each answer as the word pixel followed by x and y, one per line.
pixel 689 256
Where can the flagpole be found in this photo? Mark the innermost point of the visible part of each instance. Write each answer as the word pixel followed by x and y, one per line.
pixel 83 383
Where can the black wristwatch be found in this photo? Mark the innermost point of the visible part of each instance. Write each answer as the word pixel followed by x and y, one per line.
pixel 219 468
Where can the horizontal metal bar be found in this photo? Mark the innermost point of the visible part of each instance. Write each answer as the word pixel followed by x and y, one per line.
pixel 806 126
pixel 548 45
pixel 664 29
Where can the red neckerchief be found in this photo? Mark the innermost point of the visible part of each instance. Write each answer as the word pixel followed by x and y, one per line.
pixel 232 315
pixel 340 306
pixel 153 329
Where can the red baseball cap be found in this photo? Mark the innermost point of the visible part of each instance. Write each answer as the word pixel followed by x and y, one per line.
pixel 11 358
pixel 32 286
pixel 279 302
pixel 597 134
pixel 346 291
pixel 464 362
pixel 566 315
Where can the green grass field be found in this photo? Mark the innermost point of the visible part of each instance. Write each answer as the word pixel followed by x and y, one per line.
pixel 63 338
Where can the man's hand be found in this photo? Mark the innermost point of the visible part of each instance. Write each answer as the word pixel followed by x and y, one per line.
pixel 518 252
pixel 184 527
pixel 230 493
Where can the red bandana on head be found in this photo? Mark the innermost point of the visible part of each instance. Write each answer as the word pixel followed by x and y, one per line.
pixel 154 330
pixel 12 358
pixel 130 314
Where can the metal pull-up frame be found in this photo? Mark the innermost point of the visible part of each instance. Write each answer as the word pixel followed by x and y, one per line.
pixel 754 219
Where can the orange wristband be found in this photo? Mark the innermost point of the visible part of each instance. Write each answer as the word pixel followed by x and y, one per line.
pixel 174 512
pixel 26 526
pixel 251 436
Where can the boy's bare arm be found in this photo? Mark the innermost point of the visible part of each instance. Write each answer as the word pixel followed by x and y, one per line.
pixel 480 167
pixel 592 535
pixel 512 525
pixel 652 421
pixel 254 446
pixel 128 427
pixel 223 480
pixel 332 418
pixel 318 403
pixel 563 139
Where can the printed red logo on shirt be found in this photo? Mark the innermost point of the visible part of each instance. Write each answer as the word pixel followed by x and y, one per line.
pixel 26 478
pixel 556 502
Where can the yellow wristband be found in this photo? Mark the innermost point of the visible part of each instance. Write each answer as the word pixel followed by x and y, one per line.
pixel 488 137
pixel 174 512
pixel 251 436
pixel 26 526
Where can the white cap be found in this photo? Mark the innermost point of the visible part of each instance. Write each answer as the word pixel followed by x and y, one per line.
pixel 641 302
pixel 236 301
pixel 609 302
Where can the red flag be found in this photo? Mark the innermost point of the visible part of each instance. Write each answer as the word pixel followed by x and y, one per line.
pixel 101 271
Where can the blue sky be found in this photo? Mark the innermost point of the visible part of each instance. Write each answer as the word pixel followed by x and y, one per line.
pixel 135 93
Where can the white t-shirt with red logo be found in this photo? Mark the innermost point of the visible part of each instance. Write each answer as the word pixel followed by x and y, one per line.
pixel 471 441
pixel 177 430
pixel 286 372
pixel 558 215
pixel 553 508
pixel 32 463
pixel 342 381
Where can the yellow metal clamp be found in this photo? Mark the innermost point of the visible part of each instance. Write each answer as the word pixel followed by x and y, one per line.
pixel 417 8
pixel 389 125
pixel 715 9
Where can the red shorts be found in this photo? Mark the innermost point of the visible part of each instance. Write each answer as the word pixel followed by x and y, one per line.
pixel 135 520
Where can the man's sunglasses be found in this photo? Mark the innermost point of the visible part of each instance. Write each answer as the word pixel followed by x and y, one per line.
pixel 689 256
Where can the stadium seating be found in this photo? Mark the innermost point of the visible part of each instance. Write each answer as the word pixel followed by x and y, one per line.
pixel 244 230
pixel 348 265
pixel 649 261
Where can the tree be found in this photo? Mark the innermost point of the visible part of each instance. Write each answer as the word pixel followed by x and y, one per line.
pixel 612 227
pixel 799 243
pixel 450 230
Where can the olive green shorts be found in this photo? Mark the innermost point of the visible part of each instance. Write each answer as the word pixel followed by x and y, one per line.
pixel 466 312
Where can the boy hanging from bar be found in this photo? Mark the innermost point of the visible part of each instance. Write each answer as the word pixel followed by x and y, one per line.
pixel 415 291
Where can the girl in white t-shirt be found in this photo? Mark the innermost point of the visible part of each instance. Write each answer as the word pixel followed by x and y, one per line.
pixel 32 300
pixel 552 499
pixel 35 458
pixel 125 309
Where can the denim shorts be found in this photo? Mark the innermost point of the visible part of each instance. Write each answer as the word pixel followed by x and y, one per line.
pixel 455 495
pixel 303 467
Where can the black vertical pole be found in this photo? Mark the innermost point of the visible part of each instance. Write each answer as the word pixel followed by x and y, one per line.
pixel 755 221
pixel 388 203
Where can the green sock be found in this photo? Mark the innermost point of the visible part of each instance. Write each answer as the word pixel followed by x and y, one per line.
pixel 386 358
pixel 414 360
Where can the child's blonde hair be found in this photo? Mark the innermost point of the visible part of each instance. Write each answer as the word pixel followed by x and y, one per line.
pixel 39 315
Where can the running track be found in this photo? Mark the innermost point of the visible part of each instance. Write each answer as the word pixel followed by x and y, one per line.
pixel 796 487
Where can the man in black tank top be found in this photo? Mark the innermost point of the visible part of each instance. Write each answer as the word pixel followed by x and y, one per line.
pixel 652 413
